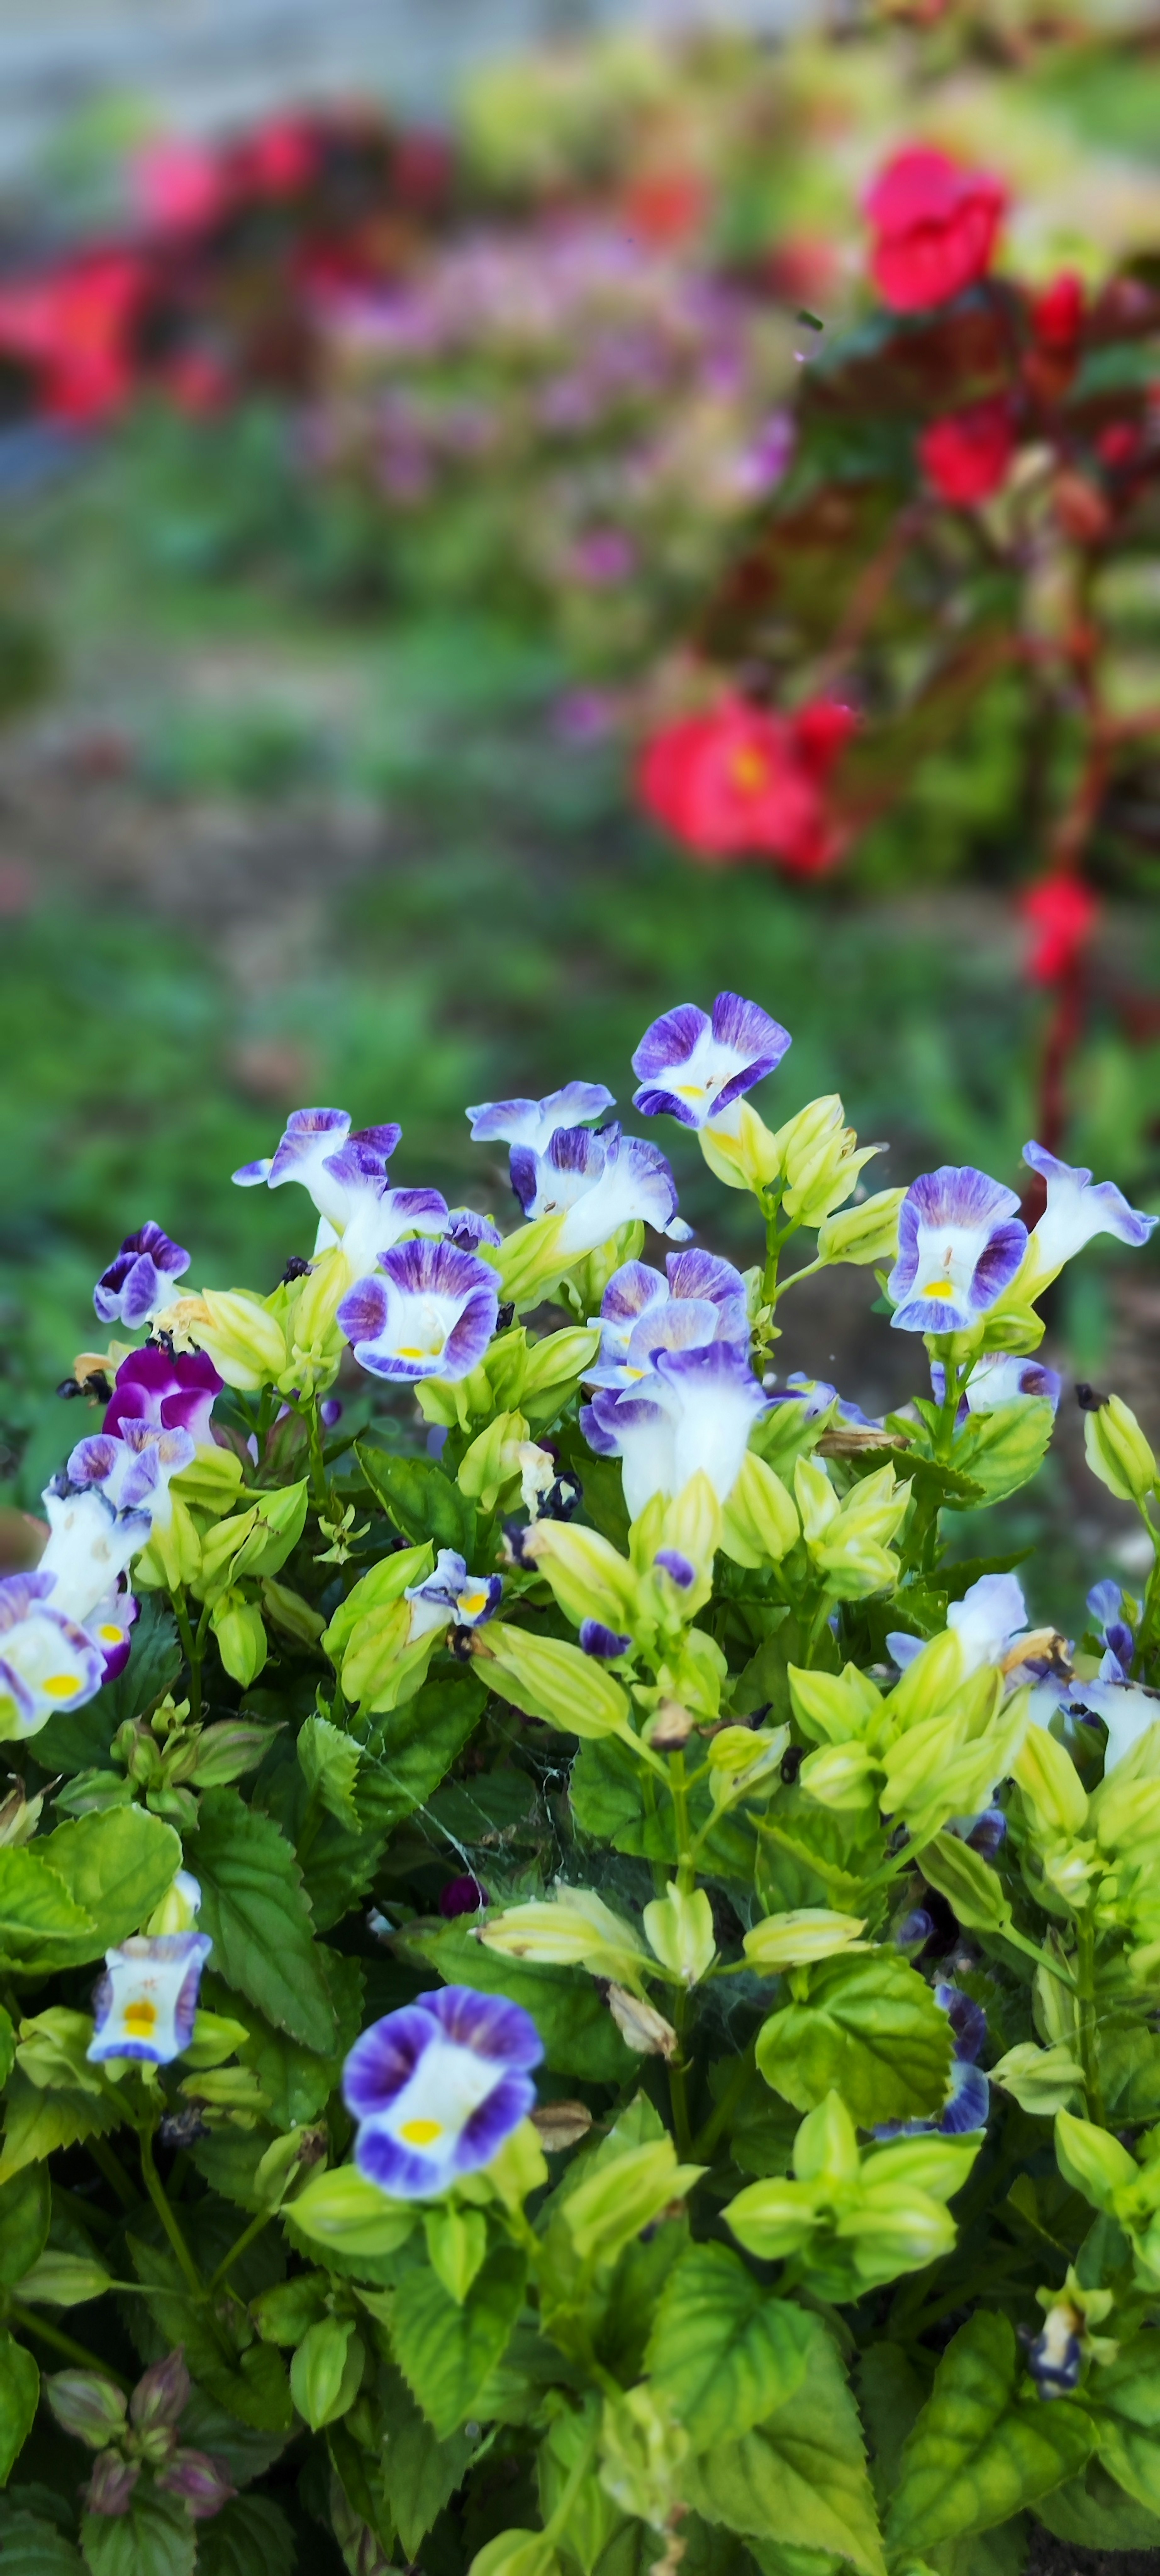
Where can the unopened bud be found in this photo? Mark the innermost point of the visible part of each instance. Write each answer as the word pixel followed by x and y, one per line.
pixel 639 2026
pixel 1117 1451
pixel 671 1727
pixel 162 2393
pixel 111 2485
pixel 561 2124
pixel 93 2410
pixel 19 1817
pixel 868 1232
pixel 179 1907
pixel 202 2484
pixel 679 1928
pixel 228 1749
pixel 244 1340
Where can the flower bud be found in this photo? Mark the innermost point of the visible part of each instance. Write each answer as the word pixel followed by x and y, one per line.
pixel 807 1932
pixel 1117 1451
pixel 826 2146
pixel 228 1749
pixel 679 1927
pixel 615 2201
pixel 162 2393
pixel 640 2026
pixel 868 1232
pixel 326 2371
pixel 93 2410
pixel 202 2484
pixel 290 1613
pixel 19 1818
pixel 492 1462
pixel 518 2167
pixel 573 1929
pixel 759 1524
pixel 516 2553
pixel 740 1149
pixel 63 2281
pixel 456 2246
pixel 241 1636
pixel 111 2484
pixel 178 1911
pixel 561 2124
pixel 548 1678
pixel 1092 2161
pixel 244 1340
pixel 743 1762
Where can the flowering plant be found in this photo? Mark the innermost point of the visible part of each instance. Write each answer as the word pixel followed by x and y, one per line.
pixel 625 2034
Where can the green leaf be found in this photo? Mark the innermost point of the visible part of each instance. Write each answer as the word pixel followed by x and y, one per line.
pixel 579 2035
pixel 117 1865
pixel 800 2478
pixel 38 1916
pixel 722 2350
pixel 1125 2402
pixel 256 1913
pixel 420 1499
pixel 19 2390
pixel 1003 1450
pixel 245 2452
pixel 155 2538
pixel 31 2547
pixel 1094 2513
pixel 329 1762
pixel 871 2031
pixel 38 2123
pixel 249 2537
pixel 25 2209
pixel 420 2472
pixel 79 1740
pixel 975 1892
pixel 411 1749
pixel 890 2394
pixel 7 2046
pixel 346 2214
pixel 256 2390
pixel 297 2082
pixel 978 2452
pixel 445 2351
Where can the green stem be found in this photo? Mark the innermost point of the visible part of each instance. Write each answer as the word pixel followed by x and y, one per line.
pixel 796 1276
pixel 558 2524
pixel 945 1434
pixel 109 2163
pixel 189 2271
pixel 1085 1985
pixel 18 2315
pixel 1150 1616
pixel 238 2248
pixel 1031 1950
pixel 319 1493
pixel 713 2130
pixel 191 1651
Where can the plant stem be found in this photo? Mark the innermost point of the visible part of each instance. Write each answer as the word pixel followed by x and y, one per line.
pixel 718 2121
pixel 238 2248
pixel 191 1648
pixel 319 1493
pixel 1085 1985
pixel 109 2163
pixel 18 2315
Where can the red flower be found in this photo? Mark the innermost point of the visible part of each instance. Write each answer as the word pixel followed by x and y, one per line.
pixel 73 327
pixel 1057 314
pixel 935 225
pixel 1119 444
pixel 745 780
pixel 965 455
pixel 177 185
pixel 1062 912
pixel 278 158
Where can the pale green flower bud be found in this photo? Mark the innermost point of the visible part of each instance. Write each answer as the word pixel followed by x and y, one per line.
pixel 588 1576
pixel 244 1340
pixel 492 1464
pixel 826 2146
pixel 520 2166
pixel 456 2246
pixel 550 1679
pixel 573 1929
pixel 1040 2080
pixel 1092 2161
pixel 679 1927
pixel 90 2408
pixel 806 1933
pixel 1050 1783
pixel 241 1637
pixel 326 2371
pixel 616 2200
pixel 516 2553
pixel 773 2219
pixel 868 1232
pixel 642 2451
pixel 63 2281
pixel 744 1762
pixel 1117 1451
pixel 740 1149
pixel 759 1524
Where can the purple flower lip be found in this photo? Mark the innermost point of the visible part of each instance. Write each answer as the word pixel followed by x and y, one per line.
pixel 133 1465
pixel 1076 1210
pixel 605 1644
pixel 960 1245
pixel 968 2100
pixel 692 1067
pixel 430 1312
pixel 595 1181
pixel 145 2003
pixel 437 2087
pixel 138 1282
pixel 468 1600
pixel 676 1566
pixel 48 1662
pixel 169 1392
pixel 534 1122
pixel 700 1300
pixel 309 1138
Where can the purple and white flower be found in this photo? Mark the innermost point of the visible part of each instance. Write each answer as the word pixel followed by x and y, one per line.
pixel 138 1283
pixel 466 1229
pixel 969 2098
pixel 1076 1210
pixel 437 2087
pixel 345 1175
pixel 90 1544
pixel 637 1300
pixel 47 1661
pixel 595 1181
pixel 960 1243
pixel 430 1312
pixel 816 1395
pixel 145 2003
pixel 171 1392
pixel 133 1466
pixel 533 1123
pixel 1113 1628
pixel 999 1378
pixel 451 1596
pixel 692 1067
pixel 692 1414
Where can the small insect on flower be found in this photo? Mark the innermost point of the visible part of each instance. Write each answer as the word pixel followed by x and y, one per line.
pixel 438 2086
pixel 145 2003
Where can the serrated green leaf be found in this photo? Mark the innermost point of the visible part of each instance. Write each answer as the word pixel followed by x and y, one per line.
pixel 258 1918
pixel 30 2546
pixel 19 2390
pixel 870 2031
pixel 722 2350
pixel 38 1914
pixel 249 2537
pixel 25 2209
pixel 256 2390
pixel 420 1499
pixel 979 2452
pixel 329 1762
pixel 36 2123
pixel 890 2393
pixel 1094 2513
pixel 7 2046
pixel 117 1865
pixel 1001 1451
pixel 445 2351
pixel 1125 2403
pixel 154 2538
pixel 412 1748
pixel 800 2478
pixel 420 2472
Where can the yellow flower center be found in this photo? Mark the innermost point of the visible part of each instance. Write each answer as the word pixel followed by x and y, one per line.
pixel 421 2133
pixel 110 1636
pixel 472 1603
pixel 749 770
pixel 58 1685
pixel 140 2017
pixel 941 1288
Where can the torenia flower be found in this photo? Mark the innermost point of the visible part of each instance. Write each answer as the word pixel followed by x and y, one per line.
pixel 1076 1210
pixel 534 1122
pixel 346 1177
pixel 437 2087
pixel 700 1300
pixel 692 1413
pixel 961 1242
pixel 999 1378
pixel 47 1662
pixel 133 1466
pixel 692 1067
pixel 138 1281
pixel 451 1595
pixel 89 1546
pixel 430 1313
pixel 596 1180
pixel 968 2099
pixel 170 1393
pixel 146 2000
pixel 990 1623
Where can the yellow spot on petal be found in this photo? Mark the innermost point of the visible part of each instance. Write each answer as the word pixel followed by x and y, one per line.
pixel 749 770
pixel 140 2017
pixel 111 1636
pixel 58 1685
pixel 421 2133
pixel 411 1352
pixel 472 1603
pixel 940 1288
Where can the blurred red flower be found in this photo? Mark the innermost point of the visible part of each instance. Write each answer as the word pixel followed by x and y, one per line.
pixel 177 185
pixel 965 455
pixel 1061 911
pixel 1119 444
pixel 744 780
pixel 73 327
pixel 935 225
pixel 1057 313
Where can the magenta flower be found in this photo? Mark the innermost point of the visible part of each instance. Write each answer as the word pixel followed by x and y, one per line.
pixel 170 1394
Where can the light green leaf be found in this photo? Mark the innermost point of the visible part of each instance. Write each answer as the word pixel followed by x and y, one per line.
pixel 249 2537
pixel 412 1747
pixel 979 2452
pixel 155 2538
pixel 32 2546
pixel 1094 2513
pixel 1002 1450
pixel 255 1910
pixel 444 2351
pixel 1125 2402
pixel 419 2471
pixel 420 1499
pixel 975 1891
pixel 722 2350
pixel 117 1865
pixel 25 2208
pixel 38 2123
pixel 871 2031
pixel 19 2390
pixel 800 2478
pixel 37 1912
pixel 7 2045
pixel 329 1762
pixel 349 2215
